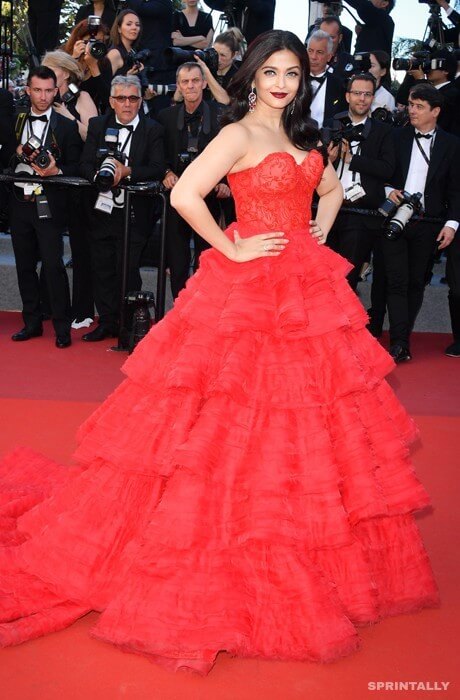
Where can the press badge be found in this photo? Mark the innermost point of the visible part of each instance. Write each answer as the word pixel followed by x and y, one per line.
pixel 104 202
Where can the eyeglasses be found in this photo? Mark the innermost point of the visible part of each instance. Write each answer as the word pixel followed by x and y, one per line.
pixel 361 93
pixel 132 99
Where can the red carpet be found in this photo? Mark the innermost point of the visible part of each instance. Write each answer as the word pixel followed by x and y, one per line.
pixel 46 393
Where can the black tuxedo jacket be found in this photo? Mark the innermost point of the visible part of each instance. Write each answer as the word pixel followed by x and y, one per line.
pixel 449 118
pixel 63 132
pixel 173 138
pixel 334 100
pixel 146 157
pixel 442 188
pixel 378 29
pixel 375 164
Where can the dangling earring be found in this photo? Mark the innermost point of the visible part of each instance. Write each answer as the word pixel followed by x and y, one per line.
pixel 252 99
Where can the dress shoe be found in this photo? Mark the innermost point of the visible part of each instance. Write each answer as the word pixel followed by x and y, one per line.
pixel 100 333
pixel 63 340
pixel 27 334
pixel 399 353
pixel 453 350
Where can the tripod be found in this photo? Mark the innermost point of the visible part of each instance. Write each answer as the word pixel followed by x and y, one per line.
pixel 434 33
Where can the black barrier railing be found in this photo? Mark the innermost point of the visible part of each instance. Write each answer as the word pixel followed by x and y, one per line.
pixel 142 188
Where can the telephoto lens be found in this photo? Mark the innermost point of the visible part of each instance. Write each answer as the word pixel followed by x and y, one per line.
pixel 105 177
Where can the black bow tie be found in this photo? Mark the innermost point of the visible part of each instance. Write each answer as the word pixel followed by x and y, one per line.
pixel 418 135
pixel 317 78
pixel 42 118
pixel 129 127
pixel 358 129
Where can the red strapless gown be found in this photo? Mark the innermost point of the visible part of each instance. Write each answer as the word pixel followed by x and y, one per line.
pixel 247 488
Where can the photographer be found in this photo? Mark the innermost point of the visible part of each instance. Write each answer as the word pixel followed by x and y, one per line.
pixel 427 161
pixel 380 68
pixel 124 38
pixel 328 93
pixel 228 45
pixel 451 36
pixel 377 31
pixel 99 8
pixel 97 72
pixel 364 160
pixel 439 68
pixel 50 145
pixel 340 59
pixel 253 17
pixel 192 28
pixel 333 9
pixel 189 127
pixel 136 156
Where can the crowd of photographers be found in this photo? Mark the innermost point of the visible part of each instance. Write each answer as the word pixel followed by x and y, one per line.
pixel 136 93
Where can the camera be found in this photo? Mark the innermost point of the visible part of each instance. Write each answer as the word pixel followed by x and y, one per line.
pixel 163 89
pixel 398 215
pixel 136 58
pixel 420 60
pixel 175 57
pixel 360 63
pixel 343 129
pixel 105 176
pixel 71 94
pixel 397 117
pixel 42 159
pixel 185 158
pixel 97 49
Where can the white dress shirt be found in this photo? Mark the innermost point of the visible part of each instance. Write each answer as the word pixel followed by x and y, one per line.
pixel 349 177
pixel 383 98
pixel 37 128
pixel 418 170
pixel 125 139
pixel 318 103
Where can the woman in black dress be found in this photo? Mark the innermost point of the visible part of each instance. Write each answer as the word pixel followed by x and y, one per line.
pixel 124 37
pixel 192 28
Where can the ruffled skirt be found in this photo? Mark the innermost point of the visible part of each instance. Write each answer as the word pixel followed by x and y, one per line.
pixel 246 488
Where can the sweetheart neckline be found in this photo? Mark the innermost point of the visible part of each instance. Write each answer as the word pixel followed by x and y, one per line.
pixel 269 155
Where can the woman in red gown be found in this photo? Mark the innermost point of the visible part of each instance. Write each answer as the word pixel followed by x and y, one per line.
pixel 247 487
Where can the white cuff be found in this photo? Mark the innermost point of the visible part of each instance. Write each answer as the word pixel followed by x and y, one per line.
pixel 452 224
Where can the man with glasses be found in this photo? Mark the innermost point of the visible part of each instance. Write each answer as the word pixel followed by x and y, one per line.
pixel 140 145
pixel 365 161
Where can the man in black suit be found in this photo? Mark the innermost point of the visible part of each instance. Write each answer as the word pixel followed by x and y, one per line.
pixel 341 60
pixel 43 19
pixel 140 145
pixel 7 146
pixel 333 10
pixel 451 35
pixel 37 225
pixel 377 31
pixel 189 128
pixel 327 90
pixel 427 161
pixel 366 162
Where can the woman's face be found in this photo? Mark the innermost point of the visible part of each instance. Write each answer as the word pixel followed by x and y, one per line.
pixel 130 27
pixel 225 55
pixel 376 70
pixel 190 3
pixel 277 80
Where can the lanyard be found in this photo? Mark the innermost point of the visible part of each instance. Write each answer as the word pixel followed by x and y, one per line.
pixel 30 131
pixel 422 151
pixel 128 139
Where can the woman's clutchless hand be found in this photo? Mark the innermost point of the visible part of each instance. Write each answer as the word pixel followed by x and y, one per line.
pixel 262 245
pixel 317 233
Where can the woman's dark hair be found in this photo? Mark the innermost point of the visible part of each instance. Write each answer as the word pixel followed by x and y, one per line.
pixel 115 38
pixel 79 32
pixel 383 59
pixel 297 123
pixel 427 93
pixel 232 39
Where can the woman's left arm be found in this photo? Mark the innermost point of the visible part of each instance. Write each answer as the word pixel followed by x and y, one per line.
pixel 330 193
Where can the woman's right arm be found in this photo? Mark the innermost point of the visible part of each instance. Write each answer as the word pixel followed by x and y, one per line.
pixel 200 177
pixel 115 59
pixel 217 91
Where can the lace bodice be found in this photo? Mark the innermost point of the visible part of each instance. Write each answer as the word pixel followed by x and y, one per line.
pixel 277 193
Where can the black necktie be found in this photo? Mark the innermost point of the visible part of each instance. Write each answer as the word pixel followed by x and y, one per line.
pixel 42 118
pixel 418 135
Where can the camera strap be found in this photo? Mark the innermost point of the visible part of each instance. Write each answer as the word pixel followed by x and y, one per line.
pixel 424 155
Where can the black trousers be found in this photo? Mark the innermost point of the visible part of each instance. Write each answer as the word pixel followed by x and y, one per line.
pixel 106 243
pixel 379 285
pixel 406 262
pixel 34 239
pixel 43 16
pixel 453 280
pixel 82 283
pixel 178 238
pixel 353 236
